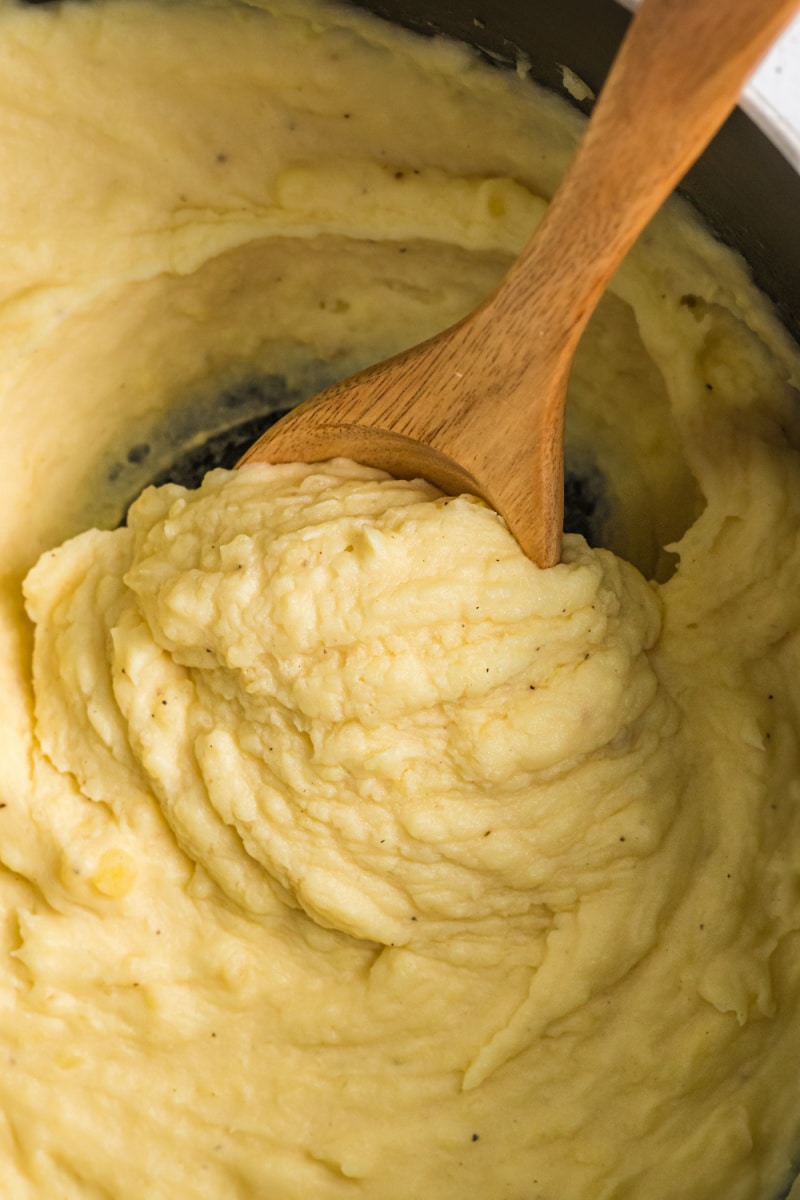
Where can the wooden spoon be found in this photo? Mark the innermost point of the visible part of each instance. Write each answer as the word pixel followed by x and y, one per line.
pixel 480 407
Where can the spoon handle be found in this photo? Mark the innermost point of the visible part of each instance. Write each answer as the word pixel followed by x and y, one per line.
pixel 678 75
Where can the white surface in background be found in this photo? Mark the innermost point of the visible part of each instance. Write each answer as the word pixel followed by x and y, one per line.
pixel 772 97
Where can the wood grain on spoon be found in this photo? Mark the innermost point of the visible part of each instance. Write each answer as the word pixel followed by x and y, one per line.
pixel 480 407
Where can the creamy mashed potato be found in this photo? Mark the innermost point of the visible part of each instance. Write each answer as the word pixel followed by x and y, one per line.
pixel 343 852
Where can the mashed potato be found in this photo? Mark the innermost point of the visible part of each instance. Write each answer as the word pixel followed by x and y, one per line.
pixel 343 852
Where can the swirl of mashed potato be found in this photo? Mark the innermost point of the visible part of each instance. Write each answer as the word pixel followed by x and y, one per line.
pixel 344 854
pixel 356 696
